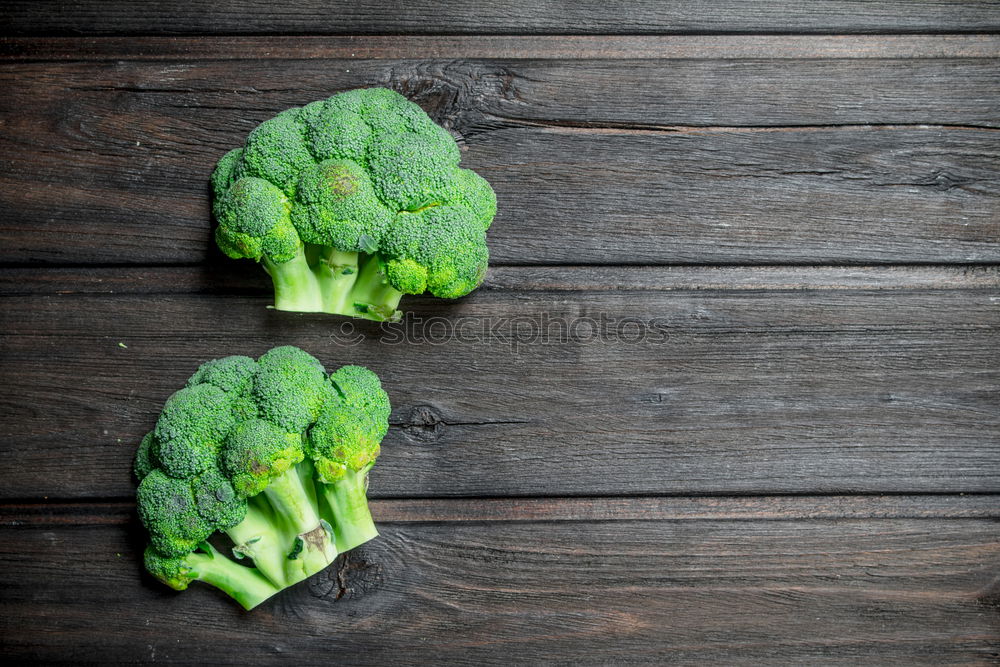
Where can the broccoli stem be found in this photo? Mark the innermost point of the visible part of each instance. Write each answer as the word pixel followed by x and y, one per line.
pixel 292 502
pixel 296 287
pixel 312 547
pixel 347 504
pixel 262 537
pixel 336 271
pixel 373 297
pixel 244 584
pixel 282 531
pixel 322 279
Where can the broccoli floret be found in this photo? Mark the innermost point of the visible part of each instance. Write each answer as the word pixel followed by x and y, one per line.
pixel 290 388
pixel 441 249
pixel 277 151
pixel 256 451
pixel 320 196
pixel 230 374
pixel 246 585
pixel 217 500
pixel 343 445
pixel 225 172
pixel 169 512
pixel 233 375
pixel 412 170
pixel 474 193
pixel 190 429
pixel 336 205
pixel 248 472
pixel 145 460
pixel 255 223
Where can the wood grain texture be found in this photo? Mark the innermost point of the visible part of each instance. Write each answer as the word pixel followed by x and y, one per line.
pixel 247 278
pixel 585 592
pixel 510 47
pixel 129 146
pixel 46 17
pixel 550 509
pixel 577 391
pixel 772 438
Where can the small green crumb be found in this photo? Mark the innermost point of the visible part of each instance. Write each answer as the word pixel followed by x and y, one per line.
pixel 122 345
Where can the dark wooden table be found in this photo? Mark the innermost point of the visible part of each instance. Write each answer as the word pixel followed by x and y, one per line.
pixel 730 393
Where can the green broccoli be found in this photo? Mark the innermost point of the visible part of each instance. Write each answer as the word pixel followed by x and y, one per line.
pixel 351 202
pixel 272 453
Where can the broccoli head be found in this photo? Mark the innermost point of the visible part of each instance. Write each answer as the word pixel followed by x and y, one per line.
pixel 265 453
pixel 351 202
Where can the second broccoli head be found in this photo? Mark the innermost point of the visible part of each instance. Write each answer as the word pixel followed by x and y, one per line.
pixel 273 453
pixel 353 201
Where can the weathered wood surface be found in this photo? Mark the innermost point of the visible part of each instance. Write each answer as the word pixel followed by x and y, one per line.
pixel 849 195
pixel 796 590
pixel 246 278
pixel 507 47
pixel 904 174
pixel 83 17
pixel 615 390
pixel 797 463
pixel 607 508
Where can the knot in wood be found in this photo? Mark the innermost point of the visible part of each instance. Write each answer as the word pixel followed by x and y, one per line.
pixel 424 423
pixel 351 576
pixel 455 94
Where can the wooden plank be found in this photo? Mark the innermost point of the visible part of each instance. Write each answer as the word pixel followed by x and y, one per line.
pixel 717 508
pixel 897 591
pixel 605 47
pixel 762 87
pixel 143 17
pixel 129 146
pixel 248 279
pixel 550 391
pixel 820 196
pixel 646 508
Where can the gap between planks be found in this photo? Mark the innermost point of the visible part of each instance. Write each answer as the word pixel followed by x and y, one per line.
pixel 617 508
pixel 606 128
pixel 196 278
pixel 386 47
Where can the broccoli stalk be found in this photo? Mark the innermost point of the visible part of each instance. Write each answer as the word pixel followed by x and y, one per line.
pixel 336 272
pixel 346 505
pixel 283 532
pixel 272 453
pixel 293 497
pixel 322 279
pixel 296 287
pixel 262 537
pixel 372 296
